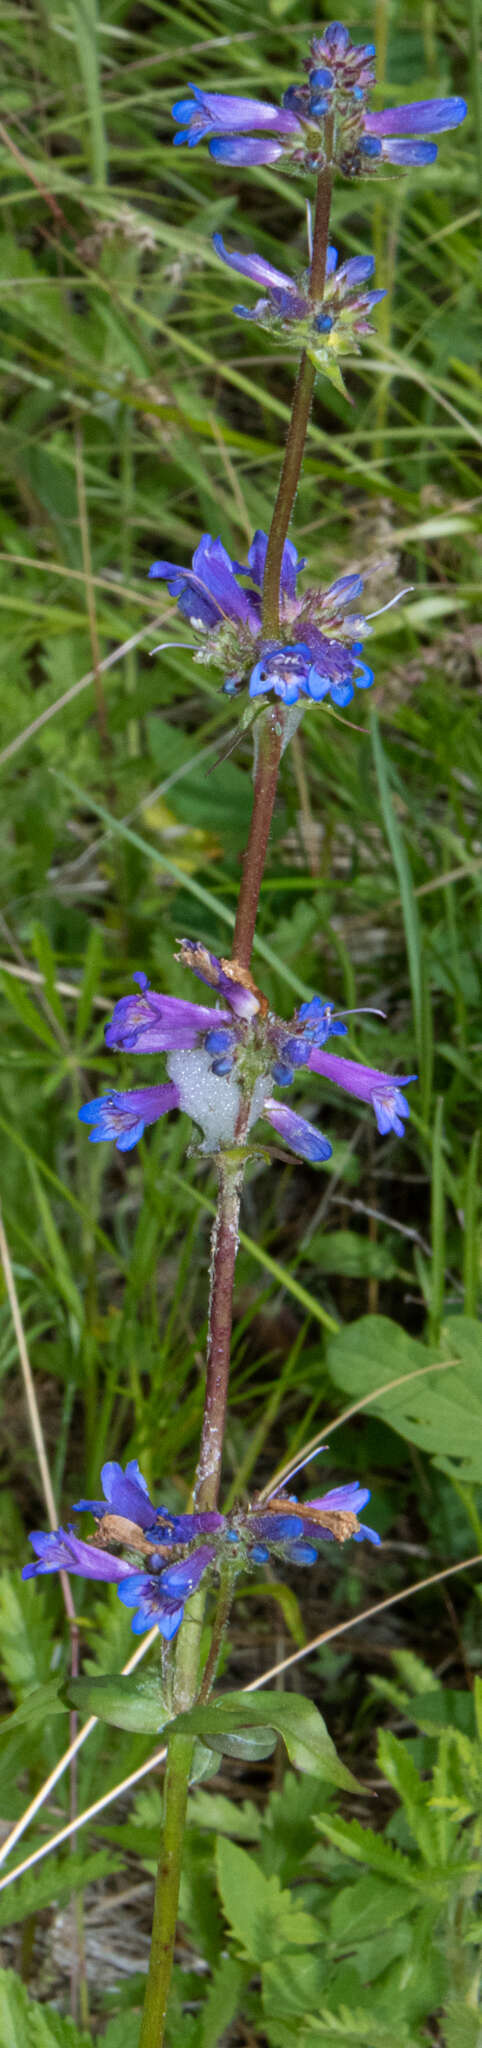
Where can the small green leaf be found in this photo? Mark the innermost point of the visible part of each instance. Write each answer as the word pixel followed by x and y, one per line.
pixel 133 1702
pixel 251 1743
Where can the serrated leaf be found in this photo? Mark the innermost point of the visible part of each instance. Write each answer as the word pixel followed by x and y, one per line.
pixel 372 1903
pixel 222 2001
pixel 26 2024
pixel 263 1917
pixel 366 1847
pixel 50 1885
pixel 25 1635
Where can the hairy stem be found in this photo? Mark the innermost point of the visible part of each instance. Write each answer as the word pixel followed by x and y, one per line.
pixel 271 739
pixel 300 413
pixel 271 727
pixel 224 1245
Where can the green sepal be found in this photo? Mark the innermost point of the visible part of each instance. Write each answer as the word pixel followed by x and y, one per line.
pixel 134 1702
pixel 328 367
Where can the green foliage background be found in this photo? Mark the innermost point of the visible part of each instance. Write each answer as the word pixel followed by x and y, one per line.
pixel 137 412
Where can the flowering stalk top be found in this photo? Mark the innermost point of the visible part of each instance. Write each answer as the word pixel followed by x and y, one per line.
pixel 319 652
pixel 223 1063
pixel 325 120
pixel 127 1518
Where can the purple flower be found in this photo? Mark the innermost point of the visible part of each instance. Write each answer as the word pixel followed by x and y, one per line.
pixel 123 1114
pixel 299 1526
pixel 62 1551
pixel 161 1596
pixel 383 1091
pixel 222 1075
pixel 215 113
pixel 320 658
pixel 340 77
pixel 327 327
pixel 157 1594
pixel 126 1495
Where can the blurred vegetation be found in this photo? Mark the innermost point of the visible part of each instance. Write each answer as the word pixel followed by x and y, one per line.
pixel 137 412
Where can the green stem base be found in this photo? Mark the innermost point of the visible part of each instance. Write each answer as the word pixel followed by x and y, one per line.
pixel 176 1786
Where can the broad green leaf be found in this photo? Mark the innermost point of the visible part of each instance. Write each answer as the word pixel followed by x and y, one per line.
pixel 346 1251
pixel 294 1983
pixel 134 1702
pixel 297 1719
pixel 440 1410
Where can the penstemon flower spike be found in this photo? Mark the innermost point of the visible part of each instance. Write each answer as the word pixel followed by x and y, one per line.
pixel 284 648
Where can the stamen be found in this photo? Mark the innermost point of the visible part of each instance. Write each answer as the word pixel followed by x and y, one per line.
pixel 392 600
pixel 295 1469
pixel 364 1011
pixel 173 643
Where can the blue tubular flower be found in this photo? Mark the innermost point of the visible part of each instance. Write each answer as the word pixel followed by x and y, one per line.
pixel 62 1551
pixel 318 656
pixel 340 77
pixel 296 1132
pixel 382 1091
pixel 123 1114
pixel 220 113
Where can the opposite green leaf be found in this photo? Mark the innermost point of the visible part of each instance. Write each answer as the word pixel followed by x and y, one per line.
pixel 297 1719
pixel 132 1702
